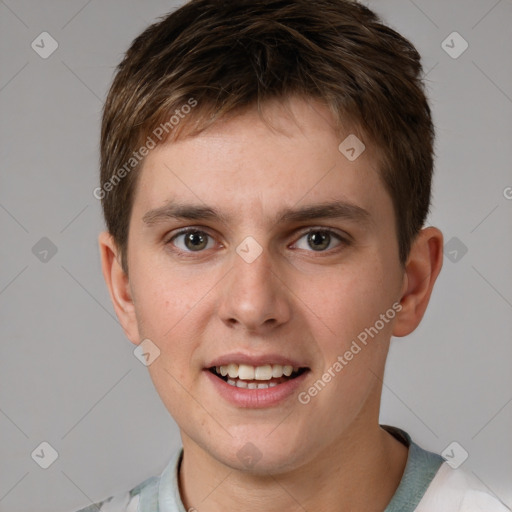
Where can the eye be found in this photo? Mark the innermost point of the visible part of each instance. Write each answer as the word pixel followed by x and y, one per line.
pixel 319 240
pixel 192 240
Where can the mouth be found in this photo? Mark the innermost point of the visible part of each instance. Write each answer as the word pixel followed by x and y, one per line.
pixel 250 377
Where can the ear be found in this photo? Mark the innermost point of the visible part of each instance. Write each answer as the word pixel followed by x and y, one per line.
pixel 421 270
pixel 118 286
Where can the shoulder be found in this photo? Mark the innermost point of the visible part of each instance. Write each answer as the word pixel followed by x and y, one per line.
pixel 457 491
pixel 125 502
pixel 429 484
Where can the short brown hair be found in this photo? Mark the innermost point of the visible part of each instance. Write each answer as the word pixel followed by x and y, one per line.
pixel 222 57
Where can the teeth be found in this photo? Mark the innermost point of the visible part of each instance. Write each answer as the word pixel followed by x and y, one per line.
pixel 251 385
pixel 277 370
pixel 287 370
pixel 263 372
pixel 233 370
pixel 248 372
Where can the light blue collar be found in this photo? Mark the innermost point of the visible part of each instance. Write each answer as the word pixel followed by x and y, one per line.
pixel 162 494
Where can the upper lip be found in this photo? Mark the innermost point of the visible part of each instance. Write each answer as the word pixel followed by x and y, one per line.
pixel 255 360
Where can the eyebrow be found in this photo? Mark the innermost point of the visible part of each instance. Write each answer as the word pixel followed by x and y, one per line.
pixel 328 210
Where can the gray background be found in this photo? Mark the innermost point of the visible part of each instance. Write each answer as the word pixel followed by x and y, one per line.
pixel 68 375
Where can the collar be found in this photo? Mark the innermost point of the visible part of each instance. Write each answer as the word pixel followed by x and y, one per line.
pixel 162 494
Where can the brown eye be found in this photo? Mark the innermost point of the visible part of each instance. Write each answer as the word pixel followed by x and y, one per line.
pixel 192 241
pixel 196 241
pixel 319 240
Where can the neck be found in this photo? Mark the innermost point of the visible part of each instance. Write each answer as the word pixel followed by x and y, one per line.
pixel 358 472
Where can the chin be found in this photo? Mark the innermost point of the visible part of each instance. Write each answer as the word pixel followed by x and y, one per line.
pixel 259 455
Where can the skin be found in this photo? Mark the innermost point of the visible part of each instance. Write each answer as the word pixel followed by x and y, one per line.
pixel 329 454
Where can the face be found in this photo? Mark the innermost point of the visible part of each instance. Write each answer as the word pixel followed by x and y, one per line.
pixel 260 252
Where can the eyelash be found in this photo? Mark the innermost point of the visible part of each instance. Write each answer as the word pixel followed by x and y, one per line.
pixel 344 241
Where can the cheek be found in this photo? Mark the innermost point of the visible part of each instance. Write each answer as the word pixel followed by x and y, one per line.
pixel 345 301
pixel 172 311
pixel 171 383
pixel 164 298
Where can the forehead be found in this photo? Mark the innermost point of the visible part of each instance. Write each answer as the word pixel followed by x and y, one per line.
pixel 244 164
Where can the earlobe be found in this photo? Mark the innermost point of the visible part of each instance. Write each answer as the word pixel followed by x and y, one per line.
pixel 118 286
pixel 422 268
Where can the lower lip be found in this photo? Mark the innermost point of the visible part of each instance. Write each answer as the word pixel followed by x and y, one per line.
pixel 256 398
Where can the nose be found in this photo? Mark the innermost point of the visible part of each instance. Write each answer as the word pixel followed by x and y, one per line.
pixel 254 296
